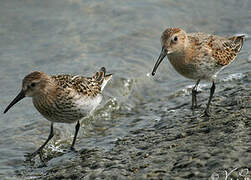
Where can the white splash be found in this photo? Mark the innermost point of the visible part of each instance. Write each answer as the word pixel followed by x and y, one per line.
pixel 231 77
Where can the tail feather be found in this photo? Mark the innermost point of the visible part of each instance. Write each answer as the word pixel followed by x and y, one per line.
pixel 108 76
pixel 101 77
pixel 237 42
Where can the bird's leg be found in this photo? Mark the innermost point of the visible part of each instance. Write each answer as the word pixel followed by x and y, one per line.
pixel 40 149
pixel 206 112
pixel 194 93
pixel 75 135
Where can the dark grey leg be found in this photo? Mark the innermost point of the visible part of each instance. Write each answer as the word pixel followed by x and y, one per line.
pixel 210 99
pixel 39 150
pixel 194 93
pixel 75 135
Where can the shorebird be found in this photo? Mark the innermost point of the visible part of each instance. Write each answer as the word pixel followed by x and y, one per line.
pixel 62 98
pixel 198 56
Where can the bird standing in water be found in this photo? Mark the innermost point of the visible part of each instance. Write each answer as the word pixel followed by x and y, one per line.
pixel 198 56
pixel 62 98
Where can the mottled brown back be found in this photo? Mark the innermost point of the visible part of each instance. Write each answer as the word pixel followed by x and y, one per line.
pixel 227 50
pixel 90 86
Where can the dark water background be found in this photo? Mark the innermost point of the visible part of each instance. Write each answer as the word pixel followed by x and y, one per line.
pixel 79 37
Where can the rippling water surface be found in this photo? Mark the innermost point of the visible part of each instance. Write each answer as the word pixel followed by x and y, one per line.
pixel 79 37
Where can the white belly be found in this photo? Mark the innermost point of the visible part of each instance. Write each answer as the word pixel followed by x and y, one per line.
pixel 86 105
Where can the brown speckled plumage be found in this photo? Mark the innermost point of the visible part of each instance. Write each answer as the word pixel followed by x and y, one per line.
pixel 63 98
pixel 58 96
pixel 228 49
pixel 83 85
pixel 198 55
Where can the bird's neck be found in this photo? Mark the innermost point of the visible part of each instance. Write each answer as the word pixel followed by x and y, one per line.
pixel 47 94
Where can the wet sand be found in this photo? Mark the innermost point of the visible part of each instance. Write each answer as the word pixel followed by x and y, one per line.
pixel 205 146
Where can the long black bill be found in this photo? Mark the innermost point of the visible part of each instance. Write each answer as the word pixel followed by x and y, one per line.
pixel 20 96
pixel 162 55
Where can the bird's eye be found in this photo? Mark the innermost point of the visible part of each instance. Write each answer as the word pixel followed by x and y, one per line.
pixel 33 84
pixel 175 39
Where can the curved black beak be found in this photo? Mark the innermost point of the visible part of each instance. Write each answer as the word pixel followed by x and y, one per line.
pixel 20 96
pixel 162 55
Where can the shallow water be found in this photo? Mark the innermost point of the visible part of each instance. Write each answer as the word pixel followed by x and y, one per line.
pixel 79 37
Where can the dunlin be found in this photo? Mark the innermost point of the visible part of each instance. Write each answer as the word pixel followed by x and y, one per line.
pixel 62 98
pixel 198 56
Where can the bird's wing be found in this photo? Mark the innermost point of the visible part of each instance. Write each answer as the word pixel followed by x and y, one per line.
pixel 224 50
pixel 90 86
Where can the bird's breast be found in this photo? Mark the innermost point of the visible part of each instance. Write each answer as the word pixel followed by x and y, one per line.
pixel 197 68
pixel 66 109
pixel 185 68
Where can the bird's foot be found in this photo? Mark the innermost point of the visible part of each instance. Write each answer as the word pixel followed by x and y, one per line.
pixel 73 149
pixel 206 113
pixel 30 156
